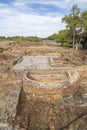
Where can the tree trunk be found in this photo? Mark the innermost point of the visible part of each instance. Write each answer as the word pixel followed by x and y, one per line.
pixel 73 38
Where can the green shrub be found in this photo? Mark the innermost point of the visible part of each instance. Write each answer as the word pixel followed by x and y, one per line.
pixel 65 44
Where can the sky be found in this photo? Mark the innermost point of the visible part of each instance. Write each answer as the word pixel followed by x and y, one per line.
pixel 35 17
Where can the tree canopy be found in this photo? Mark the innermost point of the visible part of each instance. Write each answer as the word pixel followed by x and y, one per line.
pixel 76 28
pixel 73 22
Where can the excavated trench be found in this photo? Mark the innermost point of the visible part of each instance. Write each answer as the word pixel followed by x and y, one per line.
pixel 53 93
pixel 35 113
pixel 49 100
pixel 45 108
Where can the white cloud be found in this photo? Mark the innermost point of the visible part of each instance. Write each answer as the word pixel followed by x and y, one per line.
pixel 25 24
pixel 16 22
pixel 59 3
pixel 19 4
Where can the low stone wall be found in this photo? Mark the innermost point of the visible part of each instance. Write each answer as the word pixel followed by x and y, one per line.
pixel 31 85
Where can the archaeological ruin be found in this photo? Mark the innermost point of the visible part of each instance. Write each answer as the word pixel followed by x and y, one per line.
pixel 42 87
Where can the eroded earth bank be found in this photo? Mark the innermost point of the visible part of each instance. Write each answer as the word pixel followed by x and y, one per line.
pixel 42 87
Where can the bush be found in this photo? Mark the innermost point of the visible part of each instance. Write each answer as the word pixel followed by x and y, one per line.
pixel 65 44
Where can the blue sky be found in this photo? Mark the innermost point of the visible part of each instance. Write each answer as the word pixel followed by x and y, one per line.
pixel 34 17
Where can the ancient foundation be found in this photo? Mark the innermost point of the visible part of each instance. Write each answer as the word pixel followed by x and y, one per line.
pixel 42 87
